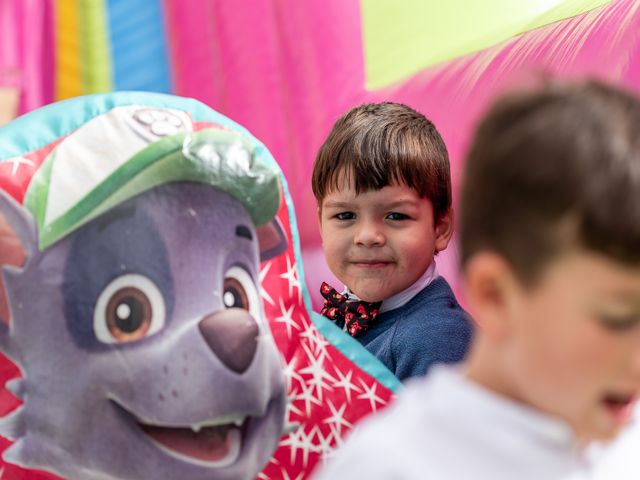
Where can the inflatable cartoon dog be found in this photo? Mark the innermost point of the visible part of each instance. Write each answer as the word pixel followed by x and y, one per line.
pixel 135 317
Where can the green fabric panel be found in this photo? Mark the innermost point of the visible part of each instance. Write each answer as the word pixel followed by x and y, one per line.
pixel 403 38
pixel 35 198
pixel 95 55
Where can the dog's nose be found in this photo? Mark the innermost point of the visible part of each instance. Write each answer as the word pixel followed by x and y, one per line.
pixel 232 334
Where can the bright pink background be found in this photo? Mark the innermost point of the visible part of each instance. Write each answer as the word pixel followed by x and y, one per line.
pixel 287 69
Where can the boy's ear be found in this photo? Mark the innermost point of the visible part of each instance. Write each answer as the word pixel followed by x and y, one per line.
pixel 491 289
pixel 444 230
pixel 18 242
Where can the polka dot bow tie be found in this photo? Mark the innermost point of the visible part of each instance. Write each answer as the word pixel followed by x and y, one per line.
pixel 357 315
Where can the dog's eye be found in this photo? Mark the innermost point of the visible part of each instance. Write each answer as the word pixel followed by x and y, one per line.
pixel 129 308
pixel 240 291
pixel 234 294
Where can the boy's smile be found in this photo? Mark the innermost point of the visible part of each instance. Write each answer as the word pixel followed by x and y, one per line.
pixel 379 242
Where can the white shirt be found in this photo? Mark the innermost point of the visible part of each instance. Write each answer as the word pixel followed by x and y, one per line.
pixel 621 459
pixel 444 427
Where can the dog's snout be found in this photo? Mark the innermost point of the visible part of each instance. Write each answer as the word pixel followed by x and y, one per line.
pixel 232 335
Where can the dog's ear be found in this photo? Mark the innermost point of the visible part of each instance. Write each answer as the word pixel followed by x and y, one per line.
pixel 17 243
pixel 272 240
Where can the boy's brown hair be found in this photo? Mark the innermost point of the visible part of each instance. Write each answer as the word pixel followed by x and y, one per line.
pixel 551 169
pixel 379 144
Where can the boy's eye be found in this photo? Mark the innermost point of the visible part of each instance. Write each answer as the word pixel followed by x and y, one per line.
pixel 618 323
pixel 345 216
pixel 397 216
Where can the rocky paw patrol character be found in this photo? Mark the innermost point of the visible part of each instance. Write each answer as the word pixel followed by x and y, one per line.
pixel 135 316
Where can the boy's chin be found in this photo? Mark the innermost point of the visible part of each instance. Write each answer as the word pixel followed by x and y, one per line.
pixel 375 289
pixel 370 299
pixel 370 295
pixel 363 297
pixel 602 435
pixel 366 297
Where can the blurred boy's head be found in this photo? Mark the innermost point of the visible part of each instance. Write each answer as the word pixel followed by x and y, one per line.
pixel 550 239
pixel 383 187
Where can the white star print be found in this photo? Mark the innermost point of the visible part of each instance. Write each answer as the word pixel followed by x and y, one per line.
pixel 315 432
pixel 263 293
pixel 339 441
pixel 291 276
pixel 336 421
pixel 319 375
pixel 287 318
pixel 299 440
pixel 293 442
pixel 285 475
pixel 324 447
pixel 264 476
pixel 314 338
pixel 17 161
pixel 307 397
pixel 370 394
pixel 345 382
pixel 291 408
pixel 291 373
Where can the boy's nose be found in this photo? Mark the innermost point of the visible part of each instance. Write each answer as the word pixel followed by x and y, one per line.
pixel 369 234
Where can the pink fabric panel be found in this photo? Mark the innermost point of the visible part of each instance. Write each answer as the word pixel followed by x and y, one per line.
pixel 9 63
pixel 601 43
pixel 287 69
pixel 27 49
pixel 284 69
pixel 191 42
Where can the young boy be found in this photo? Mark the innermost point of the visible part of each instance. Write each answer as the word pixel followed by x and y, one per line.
pixel 383 188
pixel 550 232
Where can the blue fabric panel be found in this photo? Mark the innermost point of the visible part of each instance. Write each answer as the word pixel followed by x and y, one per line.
pixel 140 59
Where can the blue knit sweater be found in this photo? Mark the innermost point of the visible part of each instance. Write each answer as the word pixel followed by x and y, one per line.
pixel 431 328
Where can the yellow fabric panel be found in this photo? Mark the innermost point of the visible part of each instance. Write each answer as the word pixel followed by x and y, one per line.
pixel 403 38
pixel 68 75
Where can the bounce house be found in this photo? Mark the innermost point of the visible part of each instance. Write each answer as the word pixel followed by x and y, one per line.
pixel 159 244
pixel 152 310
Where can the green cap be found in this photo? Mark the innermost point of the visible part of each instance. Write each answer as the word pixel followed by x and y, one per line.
pixel 92 171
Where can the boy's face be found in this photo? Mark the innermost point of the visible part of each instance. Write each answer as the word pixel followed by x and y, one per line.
pixel 573 343
pixel 379 242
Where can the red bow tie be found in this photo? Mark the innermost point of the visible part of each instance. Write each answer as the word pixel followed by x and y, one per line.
pixel 356 315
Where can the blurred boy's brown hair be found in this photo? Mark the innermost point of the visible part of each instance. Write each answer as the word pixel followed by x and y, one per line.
pixel 580 145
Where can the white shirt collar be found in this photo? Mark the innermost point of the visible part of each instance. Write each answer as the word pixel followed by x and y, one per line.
pixel 403 297
pixel 462 393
